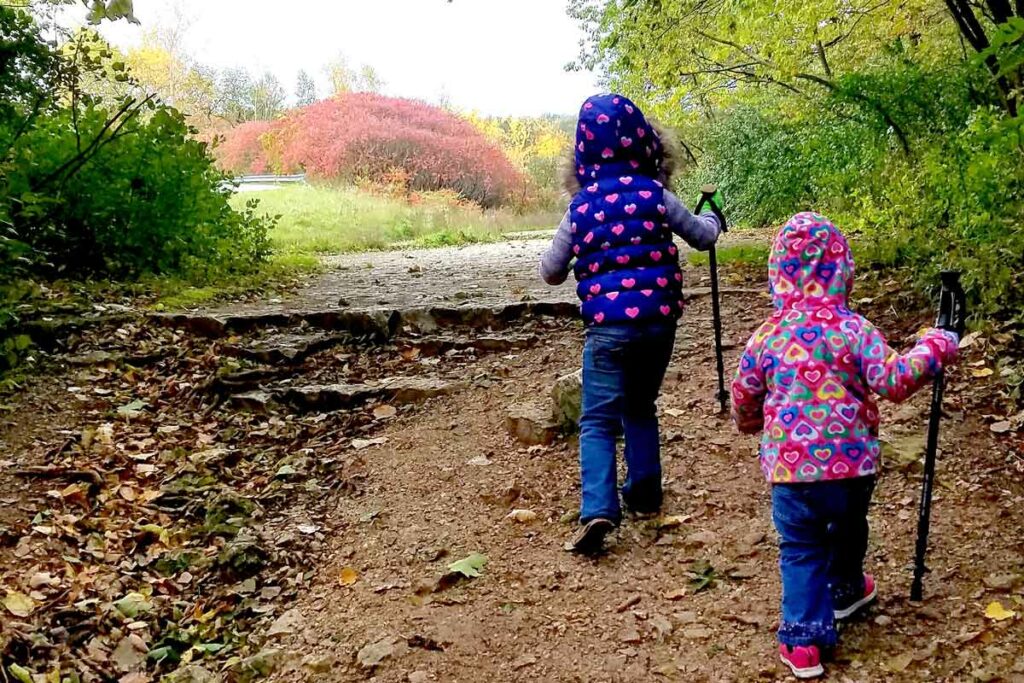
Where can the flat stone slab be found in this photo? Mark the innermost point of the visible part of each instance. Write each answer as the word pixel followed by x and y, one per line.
pixel 288 349
pixel 371 325
pixel 435 345
pixel 324 398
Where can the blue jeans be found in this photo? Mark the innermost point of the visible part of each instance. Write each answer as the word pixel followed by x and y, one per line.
pixel 623 367
pixel 823 537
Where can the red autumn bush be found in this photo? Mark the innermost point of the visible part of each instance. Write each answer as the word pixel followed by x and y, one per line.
pixel 241 149
pixel 363 137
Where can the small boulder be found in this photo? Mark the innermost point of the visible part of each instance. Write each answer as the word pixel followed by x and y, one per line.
pixel 531 424
pixel 372 654
pixel 567 396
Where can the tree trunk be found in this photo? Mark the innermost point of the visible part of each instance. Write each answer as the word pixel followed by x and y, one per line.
pixel 973 32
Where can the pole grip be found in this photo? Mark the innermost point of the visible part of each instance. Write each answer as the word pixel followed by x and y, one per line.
pixel 952 303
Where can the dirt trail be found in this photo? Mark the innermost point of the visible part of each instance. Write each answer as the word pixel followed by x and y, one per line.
pixel 315 555
pixel 541 614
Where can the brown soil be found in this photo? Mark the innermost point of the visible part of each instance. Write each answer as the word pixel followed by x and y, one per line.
pixel 355 542
pixel 541 614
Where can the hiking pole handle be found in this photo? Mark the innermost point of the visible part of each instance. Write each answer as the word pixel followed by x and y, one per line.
pixel 952 304
pixel 707 197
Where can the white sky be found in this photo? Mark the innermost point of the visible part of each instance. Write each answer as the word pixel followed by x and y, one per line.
pixel 502 57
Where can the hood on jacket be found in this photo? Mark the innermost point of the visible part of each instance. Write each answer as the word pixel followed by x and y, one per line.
pixel 811 265
pixel 613 137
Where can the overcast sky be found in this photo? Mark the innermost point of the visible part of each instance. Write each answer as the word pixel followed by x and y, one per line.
pixel 502 57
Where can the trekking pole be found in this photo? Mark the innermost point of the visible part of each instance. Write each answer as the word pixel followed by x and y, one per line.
pixel 952 316
pixel 707 196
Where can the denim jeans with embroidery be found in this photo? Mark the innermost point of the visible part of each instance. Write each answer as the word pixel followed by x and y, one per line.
pixel 823 537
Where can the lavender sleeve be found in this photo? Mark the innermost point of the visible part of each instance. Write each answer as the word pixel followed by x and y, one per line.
pixel 554 264
pixel 700 232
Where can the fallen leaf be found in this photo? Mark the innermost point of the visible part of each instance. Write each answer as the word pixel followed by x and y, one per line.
pixel 1001 427
pixel 982 372
pixel 43 580
pixel 970 340
pixel 905 450
pixel 130 653
pixel 900 662
pixel 677 594
pixel 132 605
pixel 308 529
pixel 19 604
pixel 360 444
pixel 20 673
pixel 384 412
pixel 996 612
pixel 470 566
pixel 348 576
pixel 132 409
pixel 286 470
pixel 522 516
pixel 672 521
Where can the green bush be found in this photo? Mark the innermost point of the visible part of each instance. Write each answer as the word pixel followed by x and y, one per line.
pixel 150 202
pixel 954 200
pixel 103 185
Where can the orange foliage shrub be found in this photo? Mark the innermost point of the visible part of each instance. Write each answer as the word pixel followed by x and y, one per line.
pixel 241 149
pixel 369 138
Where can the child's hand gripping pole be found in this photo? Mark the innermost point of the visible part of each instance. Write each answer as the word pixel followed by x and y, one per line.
pixel 953 317
pixel 707 197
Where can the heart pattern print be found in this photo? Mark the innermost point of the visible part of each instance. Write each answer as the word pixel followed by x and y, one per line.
pixel 809 374
pixel 626 264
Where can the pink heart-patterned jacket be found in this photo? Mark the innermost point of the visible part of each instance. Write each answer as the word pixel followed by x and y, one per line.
pixel 808 374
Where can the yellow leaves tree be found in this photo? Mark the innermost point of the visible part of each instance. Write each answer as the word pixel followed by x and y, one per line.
pixel 537 146
pixel 182 84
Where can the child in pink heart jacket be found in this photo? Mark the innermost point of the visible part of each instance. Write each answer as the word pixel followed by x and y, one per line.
pixel 806 378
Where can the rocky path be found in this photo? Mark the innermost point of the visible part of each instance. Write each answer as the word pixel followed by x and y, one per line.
pixel 283 489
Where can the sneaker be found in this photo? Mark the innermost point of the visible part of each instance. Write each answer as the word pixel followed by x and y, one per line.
pixel 803 660
pixel 870 593
pixel 589 540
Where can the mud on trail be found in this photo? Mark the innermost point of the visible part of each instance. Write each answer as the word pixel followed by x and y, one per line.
pixel 282 495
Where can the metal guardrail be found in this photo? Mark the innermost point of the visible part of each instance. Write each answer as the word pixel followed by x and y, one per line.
pixel 270 179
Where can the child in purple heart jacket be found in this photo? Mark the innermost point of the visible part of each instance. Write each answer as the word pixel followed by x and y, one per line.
pixel 619 229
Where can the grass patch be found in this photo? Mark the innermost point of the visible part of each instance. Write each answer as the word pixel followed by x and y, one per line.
pixel 274 278
pixel 319 220
pixel 740 254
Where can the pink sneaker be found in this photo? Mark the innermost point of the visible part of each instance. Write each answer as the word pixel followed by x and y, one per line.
pixel 803 661
pixel 870 593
